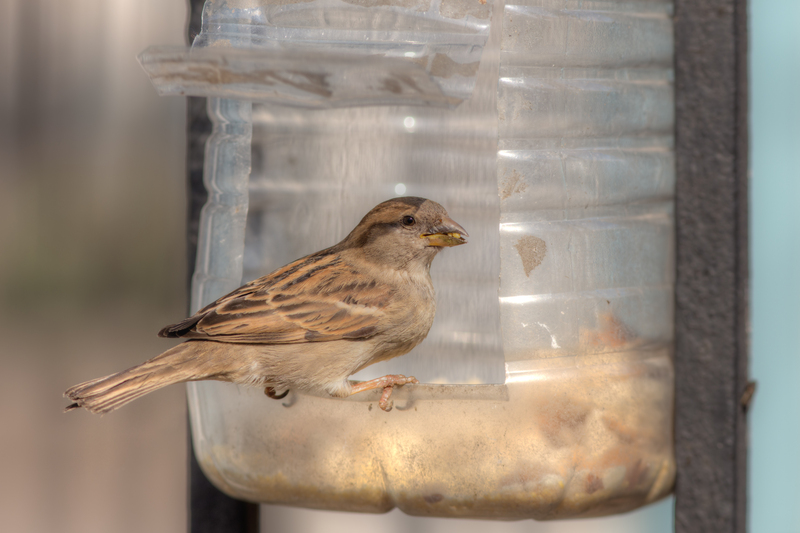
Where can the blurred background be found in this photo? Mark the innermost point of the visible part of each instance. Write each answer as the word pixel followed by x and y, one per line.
pixel 92 246
pixel 91 263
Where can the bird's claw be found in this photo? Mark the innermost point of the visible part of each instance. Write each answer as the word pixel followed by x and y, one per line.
pixel 394 380
pixel 384 402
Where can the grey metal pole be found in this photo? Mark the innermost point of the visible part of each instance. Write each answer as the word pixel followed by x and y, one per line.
pixel 712 314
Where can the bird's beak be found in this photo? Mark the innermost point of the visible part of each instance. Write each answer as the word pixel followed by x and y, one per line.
pixel 446 233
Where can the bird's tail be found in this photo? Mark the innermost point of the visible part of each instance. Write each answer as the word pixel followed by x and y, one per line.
pixel 103 395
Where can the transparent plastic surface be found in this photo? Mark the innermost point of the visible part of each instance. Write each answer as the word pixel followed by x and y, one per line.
pixel 329 53
pixel 585 166
pixel 578 438
pixel 547 376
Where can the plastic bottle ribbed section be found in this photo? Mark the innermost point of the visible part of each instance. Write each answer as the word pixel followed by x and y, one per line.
pixel 585 170
pixel 222 221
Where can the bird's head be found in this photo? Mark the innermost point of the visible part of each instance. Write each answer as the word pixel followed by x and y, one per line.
pixel 404 230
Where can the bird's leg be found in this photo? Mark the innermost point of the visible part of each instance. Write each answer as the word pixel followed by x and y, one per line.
pixel 386 383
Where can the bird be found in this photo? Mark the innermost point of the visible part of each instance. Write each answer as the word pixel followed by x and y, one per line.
pixel 309 325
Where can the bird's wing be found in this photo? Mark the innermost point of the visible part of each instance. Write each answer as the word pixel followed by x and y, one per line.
pixel 316 298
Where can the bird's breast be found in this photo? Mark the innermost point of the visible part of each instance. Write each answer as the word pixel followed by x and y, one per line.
pixel 418 310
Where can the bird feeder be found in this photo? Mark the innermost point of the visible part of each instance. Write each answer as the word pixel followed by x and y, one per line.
pixel 546 129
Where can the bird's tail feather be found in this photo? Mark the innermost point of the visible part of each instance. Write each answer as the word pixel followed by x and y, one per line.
pixel 105 394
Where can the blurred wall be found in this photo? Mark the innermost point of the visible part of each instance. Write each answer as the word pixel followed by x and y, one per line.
pixel 91 263
pixel 775 266
pixel 91 176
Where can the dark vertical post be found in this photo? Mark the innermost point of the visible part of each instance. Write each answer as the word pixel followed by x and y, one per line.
pixel 210 511
pixel 712 276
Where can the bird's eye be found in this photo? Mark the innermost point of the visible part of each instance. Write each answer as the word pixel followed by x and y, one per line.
pixel 408 220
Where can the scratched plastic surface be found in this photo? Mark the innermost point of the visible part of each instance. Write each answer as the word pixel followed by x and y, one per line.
pixel 547 377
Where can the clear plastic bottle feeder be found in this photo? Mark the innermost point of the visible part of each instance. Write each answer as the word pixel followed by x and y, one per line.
pixel 547 381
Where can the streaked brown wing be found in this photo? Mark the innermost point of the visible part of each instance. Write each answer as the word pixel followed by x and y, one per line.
pixel 316 298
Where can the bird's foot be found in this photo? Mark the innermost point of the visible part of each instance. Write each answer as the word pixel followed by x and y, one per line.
pixel 387 383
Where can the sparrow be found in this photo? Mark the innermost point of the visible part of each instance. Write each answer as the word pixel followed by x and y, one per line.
pixel 311 324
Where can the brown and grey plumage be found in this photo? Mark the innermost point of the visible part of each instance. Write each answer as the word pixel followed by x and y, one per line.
pixel 311 324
